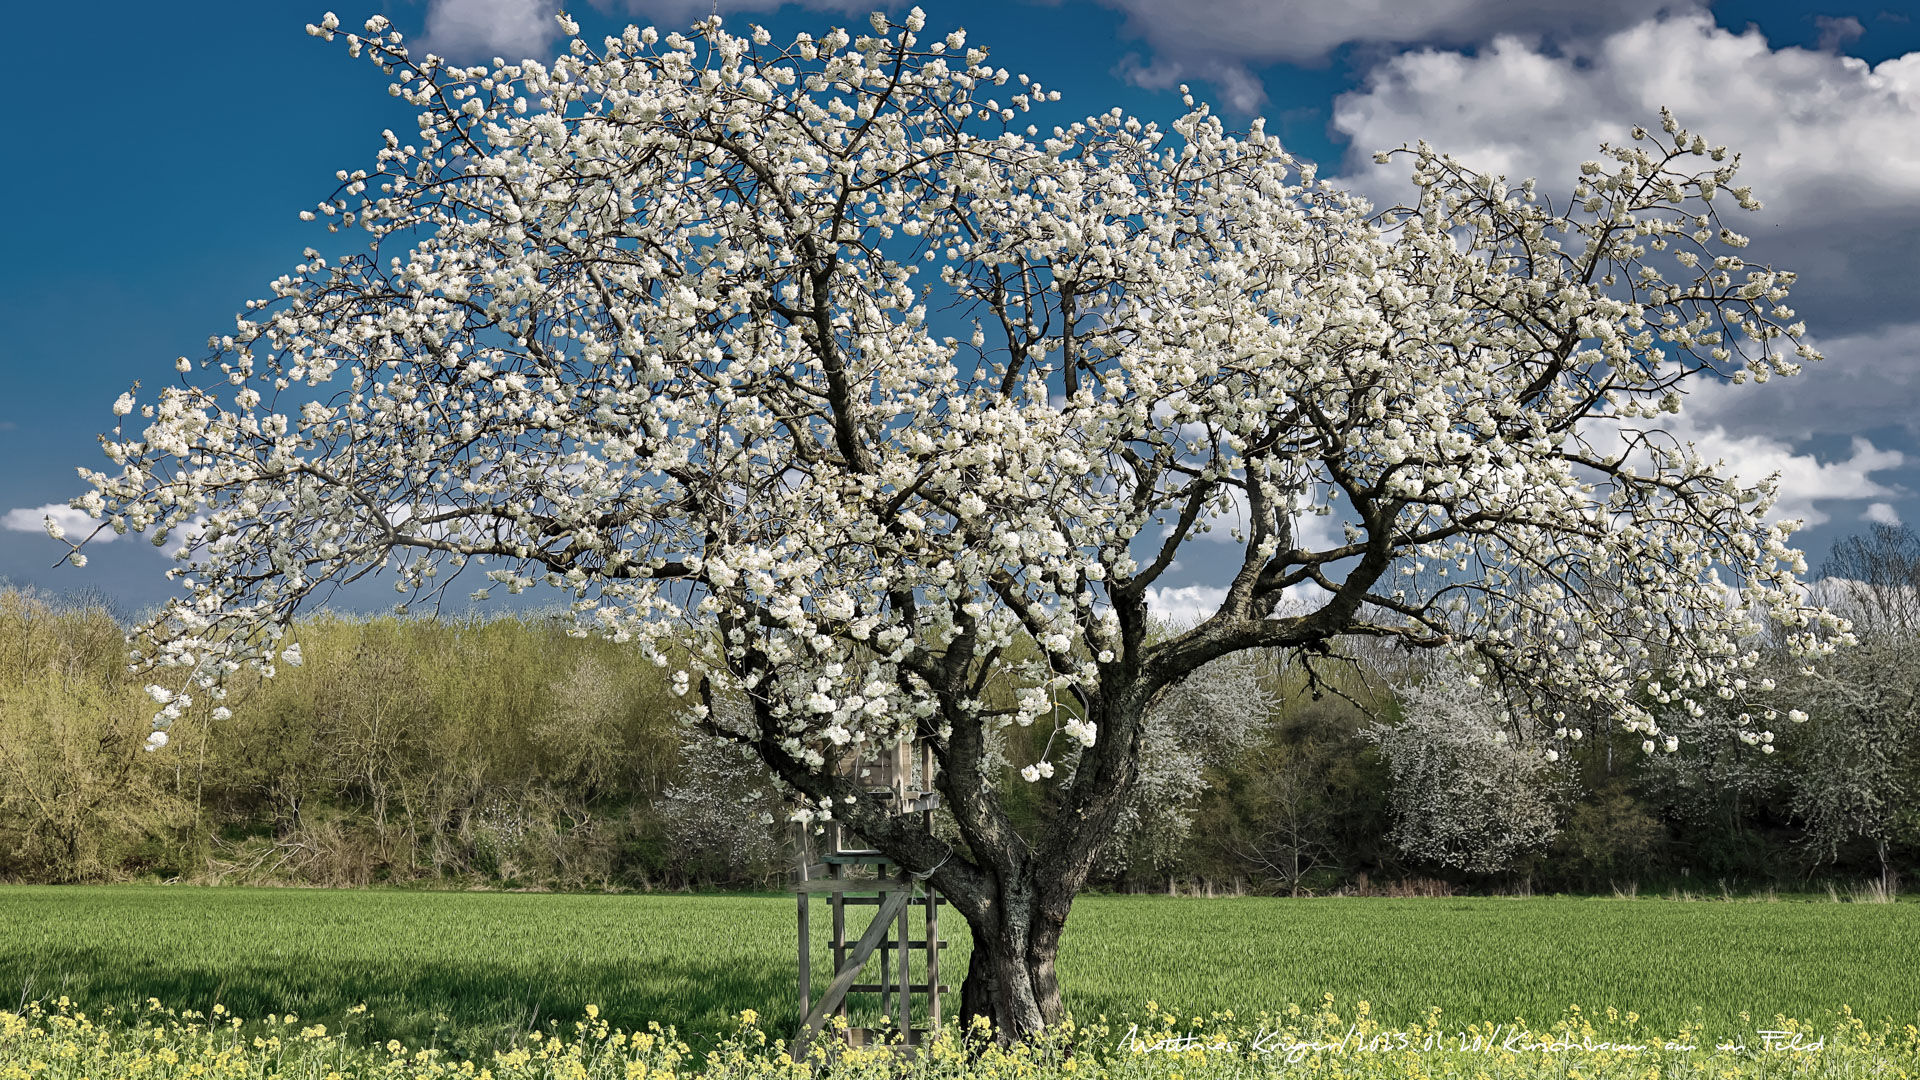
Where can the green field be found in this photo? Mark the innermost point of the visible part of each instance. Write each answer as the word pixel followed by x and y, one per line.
pixel 468 970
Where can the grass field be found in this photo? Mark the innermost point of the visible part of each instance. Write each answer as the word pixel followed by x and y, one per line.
pixel 469 970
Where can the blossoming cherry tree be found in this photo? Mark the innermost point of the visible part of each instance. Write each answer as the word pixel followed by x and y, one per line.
pixel 821 372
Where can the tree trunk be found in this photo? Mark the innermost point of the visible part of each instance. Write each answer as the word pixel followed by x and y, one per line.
pixel 1014 890
pixel 1010 979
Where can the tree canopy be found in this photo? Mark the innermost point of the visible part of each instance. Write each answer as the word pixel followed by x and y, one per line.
pixel 822 361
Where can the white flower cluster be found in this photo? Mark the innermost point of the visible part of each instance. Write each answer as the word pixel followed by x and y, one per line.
pixel 658 325
pixel 1471 789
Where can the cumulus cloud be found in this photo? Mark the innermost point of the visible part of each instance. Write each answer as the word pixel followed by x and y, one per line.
pixel 1184 605
pixel 1218 41
pixel 77 524
pixel 1825 140
pixel 1804 479
pixel 1882 514
pixel 1314 532
pixel 472 30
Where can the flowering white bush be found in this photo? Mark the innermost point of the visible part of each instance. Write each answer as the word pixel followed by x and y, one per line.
pixel 1472 788
pixel 1205 720
pixel 1854 773
pixel 671 325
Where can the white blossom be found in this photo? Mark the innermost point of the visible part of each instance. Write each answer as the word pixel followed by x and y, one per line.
pixel 1466 793
pixel 672 327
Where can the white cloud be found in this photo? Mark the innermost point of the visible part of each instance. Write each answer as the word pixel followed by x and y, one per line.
pixel 1803 479
pixel 1216 40
pixel 1882 514
pixel 1865 601
pixel 1808 124
pixel 76 523
pixel 1185 605
pixel 1826 141
pixel 1837 33
pixel 472 30
pixel 79 526
pixel 1869 380
pixel 1314 532
pixel 515 29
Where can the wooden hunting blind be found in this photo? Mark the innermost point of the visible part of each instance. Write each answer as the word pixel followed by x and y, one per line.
pixel 849 874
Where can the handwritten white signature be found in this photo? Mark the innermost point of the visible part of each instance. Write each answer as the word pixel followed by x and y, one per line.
pixel 1516 1041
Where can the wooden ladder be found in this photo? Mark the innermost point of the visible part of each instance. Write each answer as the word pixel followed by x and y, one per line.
pixel 894 896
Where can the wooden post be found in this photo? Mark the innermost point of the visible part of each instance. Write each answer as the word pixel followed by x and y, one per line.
pixel 806 937
pixel 906 984
pixel 839 902
pixel 933 960
pixel 886 972
pixel 933 901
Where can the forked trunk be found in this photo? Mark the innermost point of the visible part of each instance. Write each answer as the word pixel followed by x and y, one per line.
pixel 1015 890
pixel 1017 895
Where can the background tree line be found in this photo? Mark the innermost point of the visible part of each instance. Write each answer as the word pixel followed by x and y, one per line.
pixel 506 752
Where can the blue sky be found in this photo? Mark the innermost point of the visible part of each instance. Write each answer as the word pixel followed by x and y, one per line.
pixel 160 154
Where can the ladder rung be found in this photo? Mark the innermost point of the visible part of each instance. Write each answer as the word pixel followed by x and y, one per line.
pixel 894 946
pixel 885 988
pixel 889 948
pixel 848 885
pixel 869 1036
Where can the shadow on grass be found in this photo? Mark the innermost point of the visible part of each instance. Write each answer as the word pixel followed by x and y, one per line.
pixel 467 1008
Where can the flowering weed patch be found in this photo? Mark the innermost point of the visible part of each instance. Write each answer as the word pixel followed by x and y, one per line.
pixel 163 1044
